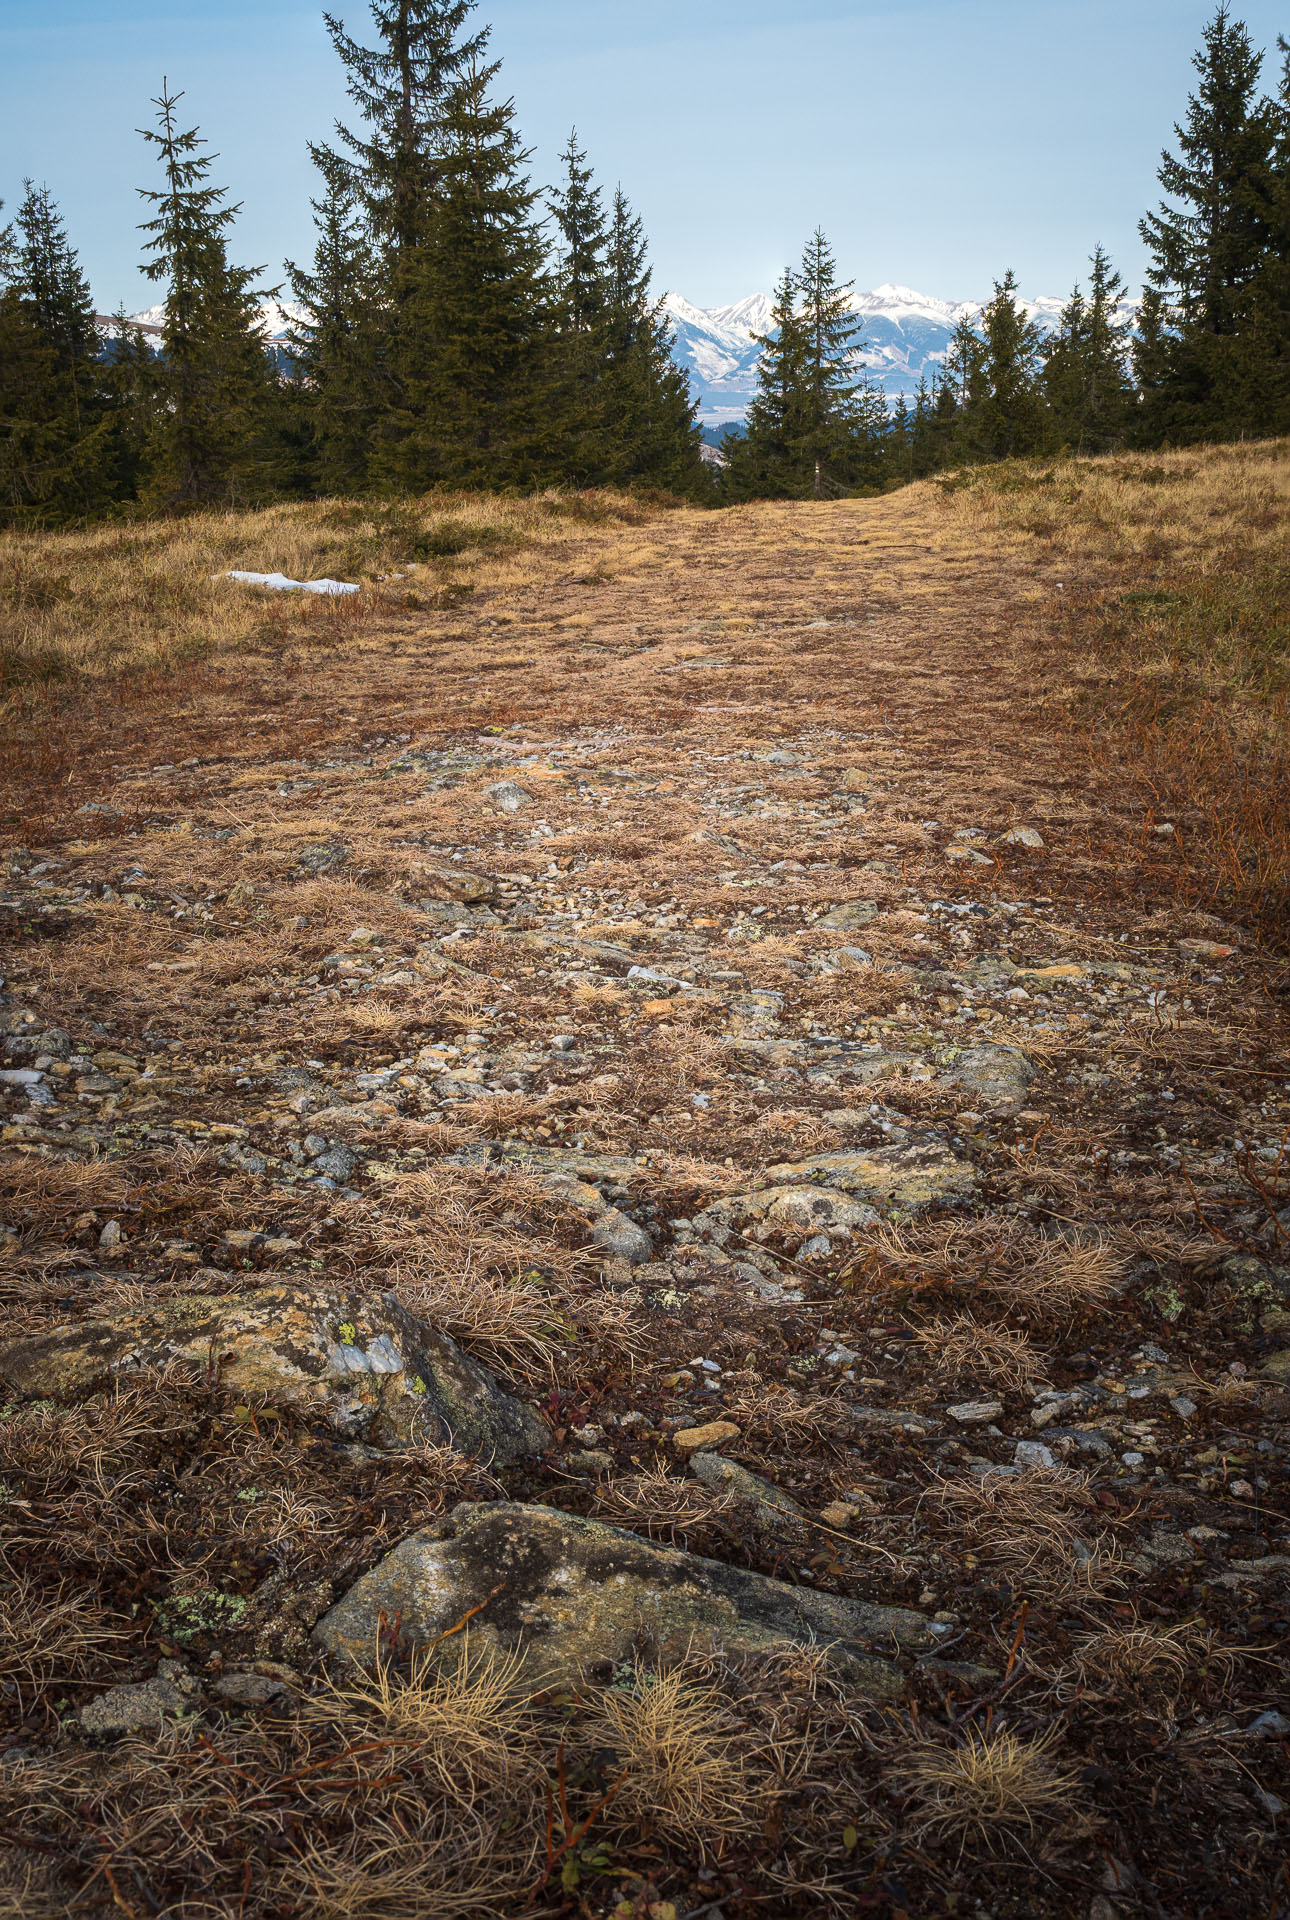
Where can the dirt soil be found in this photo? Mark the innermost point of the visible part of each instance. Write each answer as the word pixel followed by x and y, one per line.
pixel 701 974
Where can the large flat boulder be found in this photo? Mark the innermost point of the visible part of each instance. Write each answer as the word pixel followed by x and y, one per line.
pixel 574 1598
pixel 904 1179
pixel 360 1363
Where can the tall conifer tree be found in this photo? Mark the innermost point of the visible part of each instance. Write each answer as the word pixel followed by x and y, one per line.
pixel 402 87
pixel 476 318
pixel 1209 243
pixel 1001 413
pixel 838 416
pixel 578 210
pixel 1085 376
pixel 31 445
pixel 813 429
pixel 332 343
pixel 579 343
pixel 213 441
pixel 764 461
pixel 58 407
pixel 649 411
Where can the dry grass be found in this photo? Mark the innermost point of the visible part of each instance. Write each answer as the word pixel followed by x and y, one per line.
pixel 468 1253
pixel 261 816
pixel 1062 1283
pixel 1173 624
pixel 464 1711
pixel 1036 1529
pixel 965 1349
pixel 657 1504
pixel 148 596
pixel 675 1743
pixel 1048 1280
pixel 993 1784
pixel 51 1638
pixel 1138 1660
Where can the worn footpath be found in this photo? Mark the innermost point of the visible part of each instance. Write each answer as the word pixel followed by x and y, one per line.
pixel 687 1043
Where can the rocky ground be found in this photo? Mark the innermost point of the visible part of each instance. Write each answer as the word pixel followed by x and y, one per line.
pixel 683 1045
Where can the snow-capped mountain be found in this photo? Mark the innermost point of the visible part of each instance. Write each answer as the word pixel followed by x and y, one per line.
pixel 276 318
pixel 904 336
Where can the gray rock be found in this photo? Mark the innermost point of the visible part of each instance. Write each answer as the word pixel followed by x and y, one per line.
pixel 850 959
pixel 851 915
pixel 903 1179
pixel 575 1193
pixel 1033 1453
pixel 1022 837
pixel 457 883
pixel 600 1169
pixel 618 1235
pixel 336 1161
pixel 321 859
pixel 998 1076
pixel 246 1689
pixel 508 797
pixel 715 1471
pixel 361 1363
pixel 975 1413
pixel 801 1209
pixel 146 1703
pixel 576 1597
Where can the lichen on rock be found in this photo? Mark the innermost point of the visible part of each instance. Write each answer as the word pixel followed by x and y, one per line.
pixel 361 1363
pixel 573 1598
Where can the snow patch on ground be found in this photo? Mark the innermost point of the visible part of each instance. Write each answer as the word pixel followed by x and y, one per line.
pixel 279 583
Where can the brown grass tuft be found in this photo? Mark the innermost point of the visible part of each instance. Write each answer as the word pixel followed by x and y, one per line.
pixel 661 1506
pixel 1033 1529
pixel 1141 1660
pixel 993 1784
pixel 675 1742
pixel 964 1349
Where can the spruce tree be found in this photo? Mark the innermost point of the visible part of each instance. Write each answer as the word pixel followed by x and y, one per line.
pixel 1209 242
pixel 56 400
pixel 1085 377
pixel 838 417
pixel 580 343
pixel 924 439
pixel 1267 357
pixel 401 87
pixel 8 253
pixel 814 430
pixel 338 381
pixel 576 206
pixel 651 437
pixel 132 384
pixel 1001 413
pixel 765 460
pixel 474 330
pixel 214 440
pixel 32 444
pixel 55 288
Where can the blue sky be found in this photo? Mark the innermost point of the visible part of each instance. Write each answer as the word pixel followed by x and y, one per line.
pixel 936 141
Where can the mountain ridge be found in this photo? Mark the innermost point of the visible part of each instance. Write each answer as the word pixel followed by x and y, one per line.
pixel 905 337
